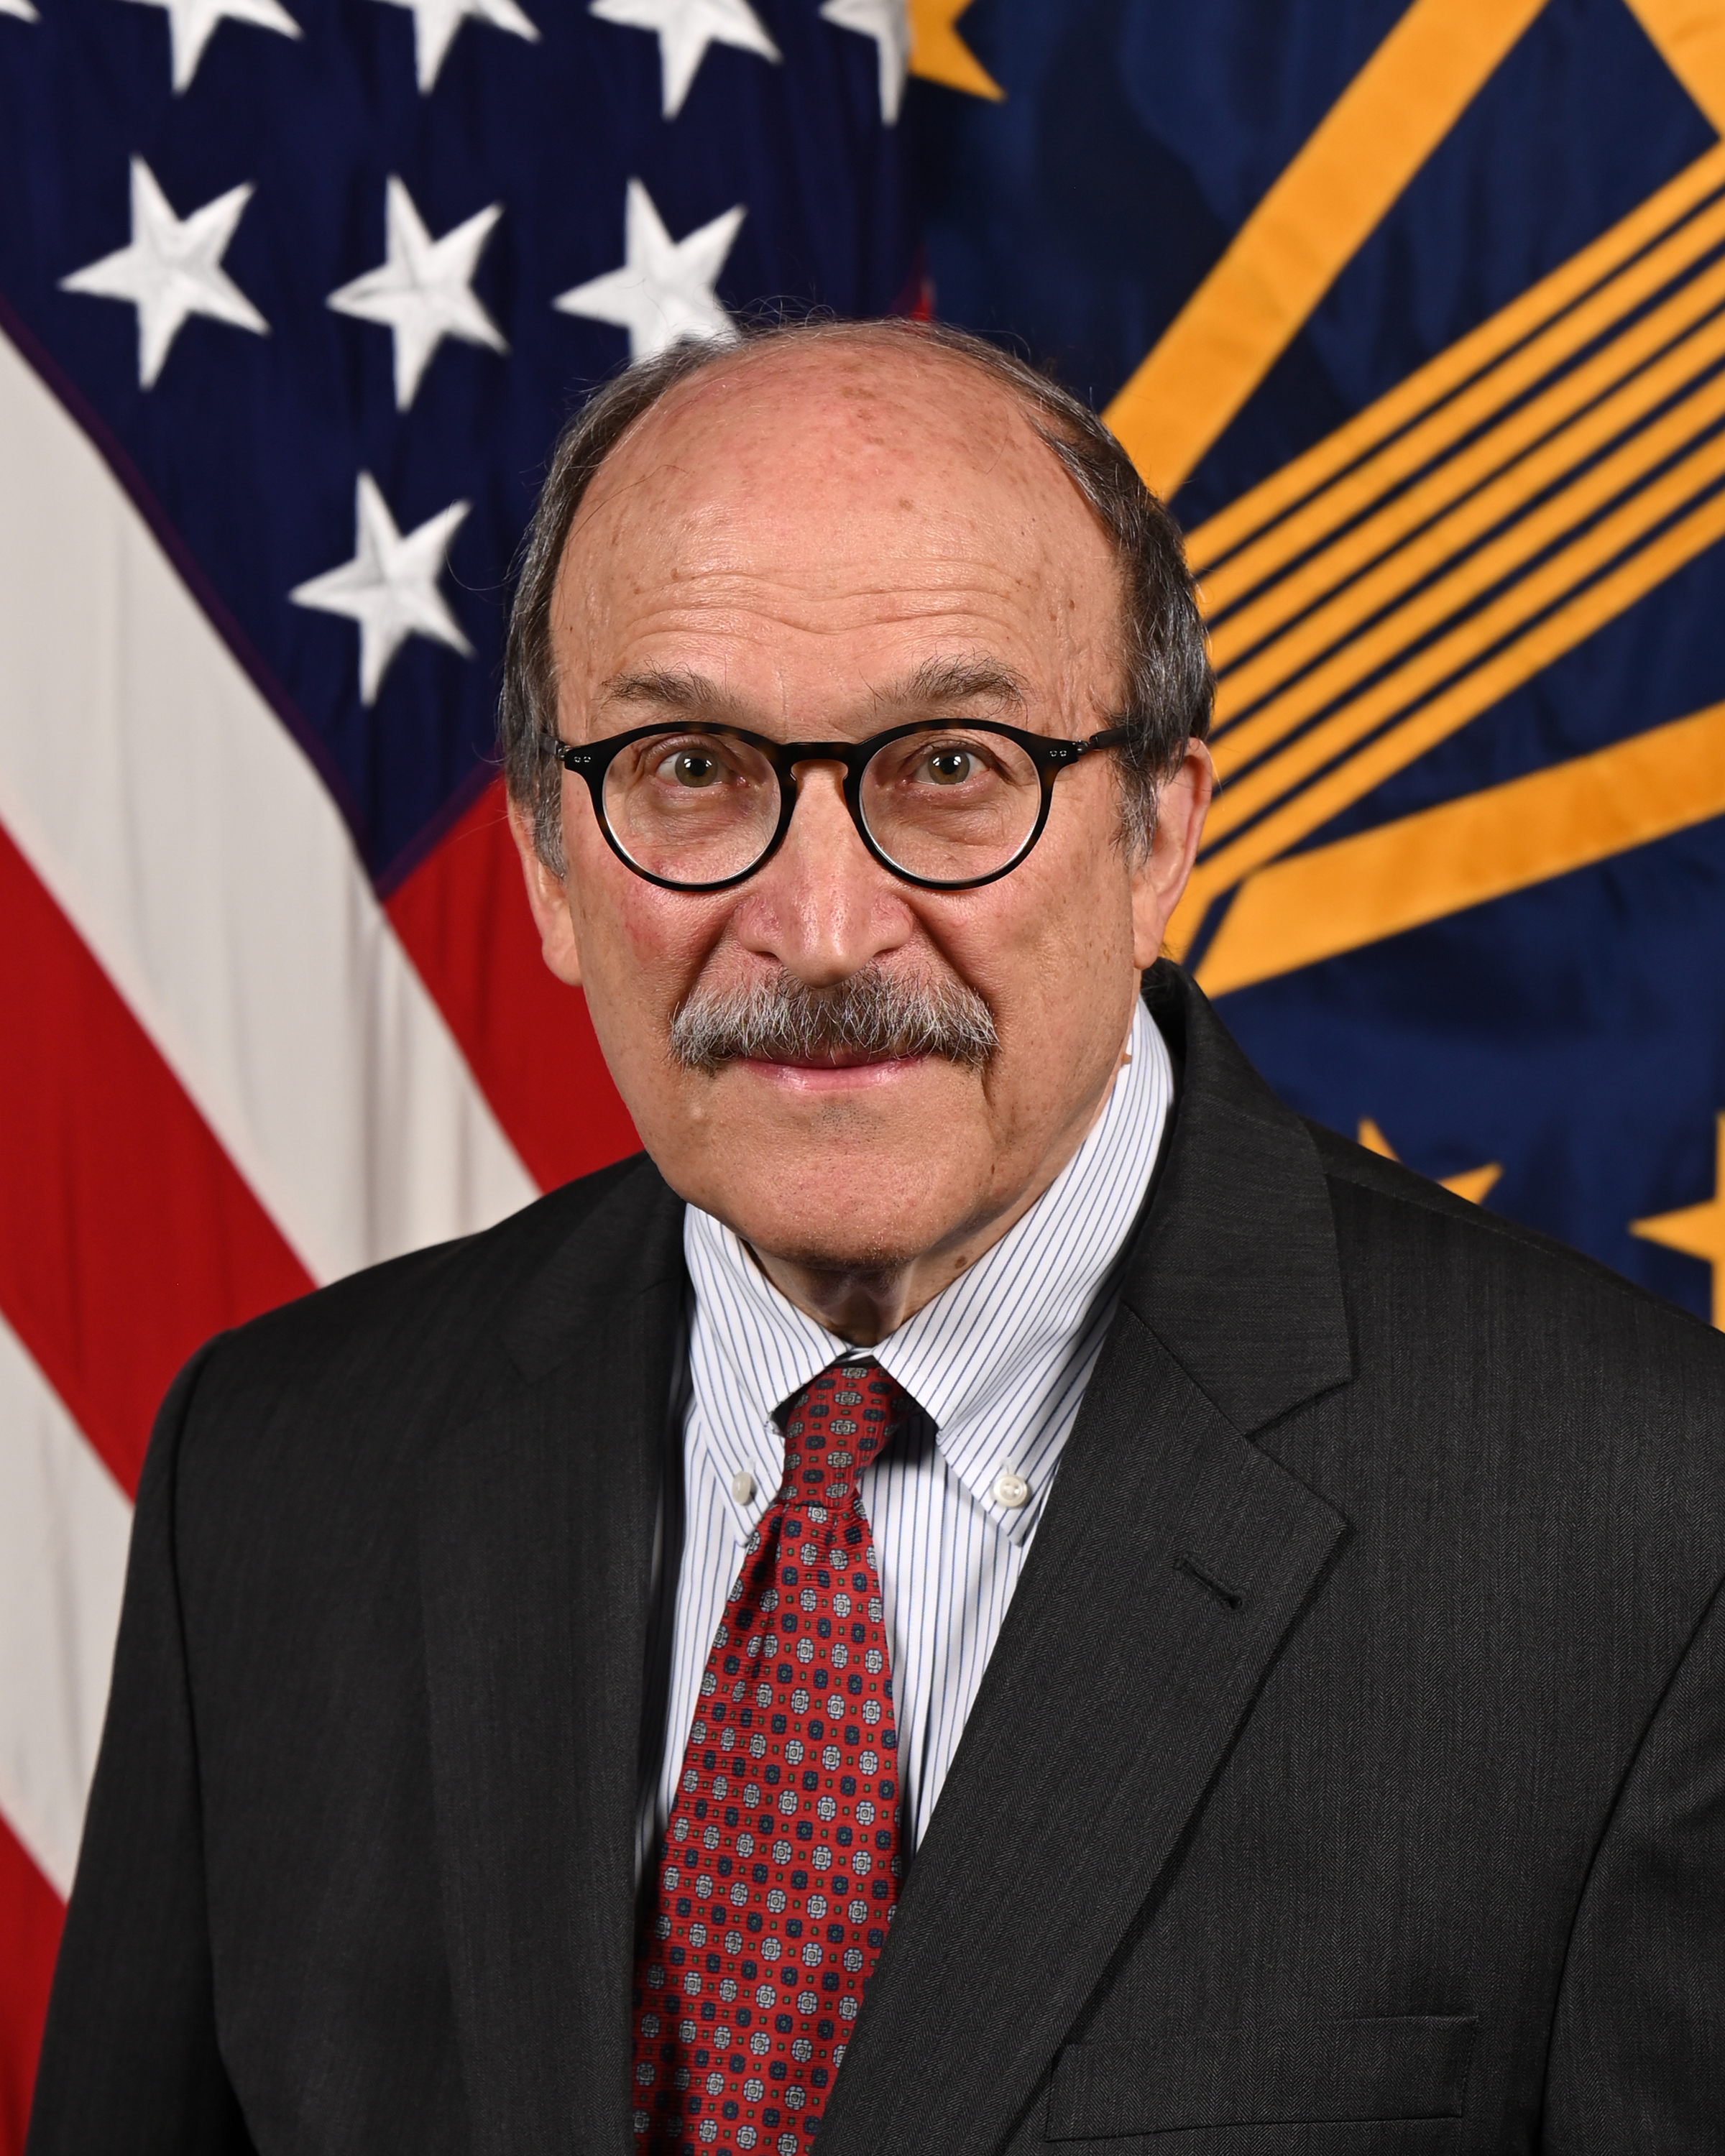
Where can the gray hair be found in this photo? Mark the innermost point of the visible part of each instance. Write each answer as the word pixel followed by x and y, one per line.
pixel 871 1012
pixel 1168 686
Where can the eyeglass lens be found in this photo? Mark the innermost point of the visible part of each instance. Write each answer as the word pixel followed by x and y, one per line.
pixel 945 805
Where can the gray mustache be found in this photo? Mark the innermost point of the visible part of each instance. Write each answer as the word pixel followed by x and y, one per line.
pixel 872 1013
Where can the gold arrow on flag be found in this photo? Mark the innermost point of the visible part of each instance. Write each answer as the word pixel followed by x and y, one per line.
pixel 1509 499
pixel 1485 516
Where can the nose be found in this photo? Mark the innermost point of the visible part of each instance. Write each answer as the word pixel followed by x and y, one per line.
pixel 823 907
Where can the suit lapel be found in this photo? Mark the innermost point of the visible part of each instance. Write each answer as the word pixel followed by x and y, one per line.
pixel 536 1543
pixel 1173 1559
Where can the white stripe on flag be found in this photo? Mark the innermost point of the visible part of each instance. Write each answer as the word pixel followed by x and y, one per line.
pixel 199 855
pixel 63 1525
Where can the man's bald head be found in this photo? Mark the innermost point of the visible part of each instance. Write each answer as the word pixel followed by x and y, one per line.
pixel 869 385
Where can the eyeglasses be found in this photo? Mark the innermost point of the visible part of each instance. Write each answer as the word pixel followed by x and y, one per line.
pixel 946 807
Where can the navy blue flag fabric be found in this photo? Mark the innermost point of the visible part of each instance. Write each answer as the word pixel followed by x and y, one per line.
pixel 1414 309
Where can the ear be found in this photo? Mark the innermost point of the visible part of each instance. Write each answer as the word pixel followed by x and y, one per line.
pixel 1157 882
pixel 548 896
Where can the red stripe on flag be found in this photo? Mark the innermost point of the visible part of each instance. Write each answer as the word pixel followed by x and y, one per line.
pixel 129 1235
pixel 463 918
pixel 31 1916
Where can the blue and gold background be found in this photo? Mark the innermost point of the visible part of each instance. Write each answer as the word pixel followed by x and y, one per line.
pixel 1416 315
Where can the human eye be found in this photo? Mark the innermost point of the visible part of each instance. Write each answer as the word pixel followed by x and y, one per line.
pixel 951 764
pixel 950 802
pixel 690 767
pixel 696 763
pixel 948 762
pixel 691 806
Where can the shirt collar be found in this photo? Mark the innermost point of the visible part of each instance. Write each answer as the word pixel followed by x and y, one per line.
pixel 981 1358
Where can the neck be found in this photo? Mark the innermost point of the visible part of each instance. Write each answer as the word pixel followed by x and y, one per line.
pixel 863 1304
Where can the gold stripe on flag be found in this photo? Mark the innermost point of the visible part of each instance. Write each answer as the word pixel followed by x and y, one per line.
pixel 1502 839
pixel 1402 630
pixel 1458 365
pixel 1515 663
pixel 1309 226
pixel 1489 475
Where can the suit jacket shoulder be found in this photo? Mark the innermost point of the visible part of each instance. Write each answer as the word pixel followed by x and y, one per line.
pixel 1620 1395
pixel 439 1302
pixel 1345 1162
pixel 377 1365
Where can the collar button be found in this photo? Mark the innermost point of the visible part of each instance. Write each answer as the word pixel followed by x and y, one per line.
pixel 1011 1490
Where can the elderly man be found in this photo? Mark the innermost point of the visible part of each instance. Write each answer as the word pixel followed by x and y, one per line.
pixel 996 1588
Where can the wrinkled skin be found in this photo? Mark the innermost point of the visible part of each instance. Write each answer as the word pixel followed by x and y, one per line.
pixel 806 531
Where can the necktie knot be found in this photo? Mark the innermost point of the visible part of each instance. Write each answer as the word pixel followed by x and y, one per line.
pixel 836 1425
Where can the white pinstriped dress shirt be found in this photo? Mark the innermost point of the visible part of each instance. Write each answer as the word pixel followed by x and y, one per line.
pixel 998 1362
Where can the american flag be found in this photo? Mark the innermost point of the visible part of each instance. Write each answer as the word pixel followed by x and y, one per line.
pixel 294 294
pixel 1414 308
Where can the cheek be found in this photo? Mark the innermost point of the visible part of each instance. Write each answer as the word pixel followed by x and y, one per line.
pixel 627 930
pixel 1058 935
pixel 645 961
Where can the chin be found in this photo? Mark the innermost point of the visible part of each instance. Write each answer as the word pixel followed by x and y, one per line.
pixel 838 1257
pixel 831 1245
pixel 830 1239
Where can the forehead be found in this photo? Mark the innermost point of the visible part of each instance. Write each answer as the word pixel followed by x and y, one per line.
pixel 837 489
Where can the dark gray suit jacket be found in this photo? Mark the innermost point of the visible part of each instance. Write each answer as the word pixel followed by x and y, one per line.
pixel 1350 1774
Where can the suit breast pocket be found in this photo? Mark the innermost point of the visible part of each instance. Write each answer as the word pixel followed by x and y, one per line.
pixel 1403 2068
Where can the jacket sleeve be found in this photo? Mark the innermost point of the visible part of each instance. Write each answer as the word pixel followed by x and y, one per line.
pixel 130 2064
pixel 1638 2043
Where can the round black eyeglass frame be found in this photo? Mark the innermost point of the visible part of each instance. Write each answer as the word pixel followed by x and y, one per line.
pixel 591 760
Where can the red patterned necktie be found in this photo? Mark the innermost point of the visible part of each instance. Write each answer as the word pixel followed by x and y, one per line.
pixel 779 1868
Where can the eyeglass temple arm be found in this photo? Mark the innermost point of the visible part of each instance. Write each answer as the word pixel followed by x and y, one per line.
pixel 1061 752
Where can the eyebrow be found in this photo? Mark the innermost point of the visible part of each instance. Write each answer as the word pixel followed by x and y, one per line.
pixel 675 689
pixel 937 684
pixel 957 681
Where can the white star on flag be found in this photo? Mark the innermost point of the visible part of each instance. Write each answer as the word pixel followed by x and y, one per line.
pixel 390 586
pixel 435 22
pixel 22 8
pixel 191 24
pixel 172 269
pixel 664 292
pixel 686 28
pixel 886 23
pixel 422 291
